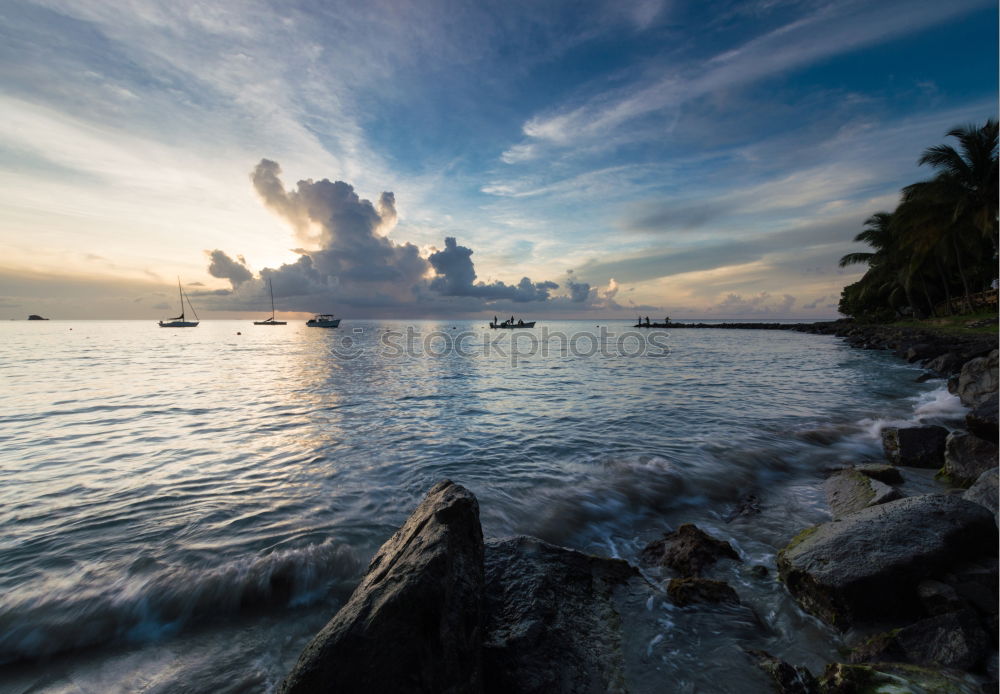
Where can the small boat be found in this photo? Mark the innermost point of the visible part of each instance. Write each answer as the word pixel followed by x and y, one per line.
pixel 35 316
pixel 323 320
pixel 271 320
pixel 511 325
pixel 179 321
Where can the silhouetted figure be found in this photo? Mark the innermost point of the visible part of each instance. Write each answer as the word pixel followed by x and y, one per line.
pixel 647 321
pixel 494 320
pixel 520 321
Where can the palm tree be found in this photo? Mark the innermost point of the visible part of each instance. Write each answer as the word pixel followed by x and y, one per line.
pixel 887 273
pixel 969 178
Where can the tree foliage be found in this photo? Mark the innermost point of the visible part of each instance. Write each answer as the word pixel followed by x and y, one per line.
pixel 938 248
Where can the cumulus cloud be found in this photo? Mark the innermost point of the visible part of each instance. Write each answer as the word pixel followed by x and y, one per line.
pixel 348 259
pixel 814 304
pixel 456 276
pixel 224 267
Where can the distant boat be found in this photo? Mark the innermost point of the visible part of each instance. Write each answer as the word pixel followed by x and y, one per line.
pixel 271 320
pixel 323 320
pixel 35 316
pixel 511 324
pixel 179 321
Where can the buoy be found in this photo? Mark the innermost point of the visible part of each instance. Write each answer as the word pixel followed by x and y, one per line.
pixel 239 333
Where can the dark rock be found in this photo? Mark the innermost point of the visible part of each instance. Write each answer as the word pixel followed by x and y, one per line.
pixel 978 381
pixel 866 566
pixel 688 550
pixel 982 420
pixel 953 384
pixel 946 364
pixel 966 457
pixel 688 591
pixel 849 491
pixel 552 621
pixel 749 505
pixel 976 582
pixel 921 351
pixel 985 491
pixel 759 571
pixel 915 446
pixel 882 472
pixel 926 376
pixel 938 598
pixel 878 648
pixel 414 623
pixel 952 640
pixel 787 679
pixel 843 678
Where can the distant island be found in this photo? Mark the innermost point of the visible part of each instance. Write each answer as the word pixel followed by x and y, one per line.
pixel 35 316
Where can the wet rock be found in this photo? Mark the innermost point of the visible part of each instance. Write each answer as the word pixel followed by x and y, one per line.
pixel 414 623
pixel 966 457
pixel 759 571
pixel 749 505
pixel 985 491
pixel 982 420
pixel 975 582
pixel 915 446
pixel 921 351
pixel 843 678
pixel 552 621
pixel 849 491
pixel 926 376
pixel 978 381
pixel 688 550
pixel 866 566
pixel 938 598
pixel 888 474
pixel 946 364
pixel 952 640
pixel 688 591
pixel 787 679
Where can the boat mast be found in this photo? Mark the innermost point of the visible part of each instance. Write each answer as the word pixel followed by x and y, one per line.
pixel 192 308
pixel 181 293
pixel 271 289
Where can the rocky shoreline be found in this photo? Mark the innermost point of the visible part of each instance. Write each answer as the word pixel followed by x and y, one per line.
pixel 910 580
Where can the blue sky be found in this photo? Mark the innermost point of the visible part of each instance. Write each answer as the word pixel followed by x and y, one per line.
pixel 705 159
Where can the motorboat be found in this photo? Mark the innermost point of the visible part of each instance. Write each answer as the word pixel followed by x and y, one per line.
pixel 512 324
pixel 323 320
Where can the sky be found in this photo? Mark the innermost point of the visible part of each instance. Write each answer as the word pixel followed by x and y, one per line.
pixel 466 159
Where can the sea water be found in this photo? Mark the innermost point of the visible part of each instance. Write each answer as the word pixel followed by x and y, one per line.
pixel 182 509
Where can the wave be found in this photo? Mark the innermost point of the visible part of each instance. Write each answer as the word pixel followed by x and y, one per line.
pixel 151 601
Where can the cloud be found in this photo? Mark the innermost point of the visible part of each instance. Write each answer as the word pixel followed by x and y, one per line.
pixel 456 276
pixel 814 304
pixel 762 303
pixel 224 267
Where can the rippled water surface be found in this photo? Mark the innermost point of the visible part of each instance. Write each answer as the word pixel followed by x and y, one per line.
pixel 180 510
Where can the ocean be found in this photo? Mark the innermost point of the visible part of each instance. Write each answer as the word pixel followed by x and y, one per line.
pixel 181 510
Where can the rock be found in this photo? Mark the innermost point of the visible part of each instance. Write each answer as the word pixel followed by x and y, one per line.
pixel 552 621
pixel 926 376
pixel 938 598
pixel 915 446
pixel 966 457
pixel 688 550
pixel 414 623
pixel 882 472
pixel 921 351
pixel 842 678
pixel 978 380
pixel 985 491
pixel 849 491
pixel 952 640
pixel 982 420
pixel 787 679
pixel 687 591
pixel 976 582
pixel 759 571
pixel 866 566
pixel 946 364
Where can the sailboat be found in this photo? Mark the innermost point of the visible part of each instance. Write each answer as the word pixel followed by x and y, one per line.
pixel 271 320
pixel 179 321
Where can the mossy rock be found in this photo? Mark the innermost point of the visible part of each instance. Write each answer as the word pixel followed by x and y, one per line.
pixel 895 678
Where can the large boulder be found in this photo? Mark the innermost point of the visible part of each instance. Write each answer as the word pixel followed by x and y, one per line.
pixel 915 446
pixel 946 364
pixel 414 623
pixel 953 640
pixel 851 490
pixel 978 380
pixel 985 491
pixel 689 591
pixel 982 420
pixel 553 620
pixel 866 566
pixel 689 550
pixel 966 457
